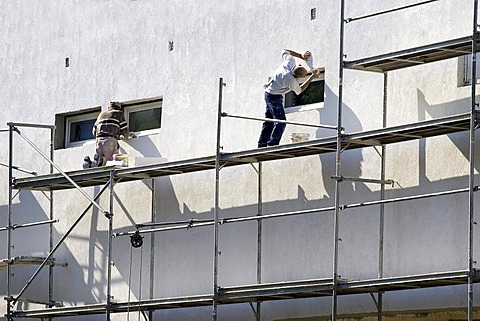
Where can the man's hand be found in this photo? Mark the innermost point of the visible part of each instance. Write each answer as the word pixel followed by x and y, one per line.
pixel 305 56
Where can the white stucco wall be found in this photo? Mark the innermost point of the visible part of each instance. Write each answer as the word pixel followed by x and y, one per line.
pixel 118 50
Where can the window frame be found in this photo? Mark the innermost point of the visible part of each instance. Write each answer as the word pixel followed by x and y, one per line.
pixel 69 120
pixel 63 124
pixel 312 106
pixel 139 105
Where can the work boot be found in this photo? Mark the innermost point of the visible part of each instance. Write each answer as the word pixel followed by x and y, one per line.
pixel 87 163
pixel 97 160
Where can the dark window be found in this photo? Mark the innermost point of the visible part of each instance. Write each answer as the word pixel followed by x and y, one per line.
pixel 75 128
pixel 81 130
pixel 145 119
pixel 144 116
pixel 313 94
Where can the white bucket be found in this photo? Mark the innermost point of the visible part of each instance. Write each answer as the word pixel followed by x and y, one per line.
pixel 121 158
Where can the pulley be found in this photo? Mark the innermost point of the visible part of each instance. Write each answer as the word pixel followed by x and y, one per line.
pixel 136 239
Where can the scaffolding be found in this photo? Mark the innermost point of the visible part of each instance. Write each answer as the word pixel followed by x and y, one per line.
pixel 332 287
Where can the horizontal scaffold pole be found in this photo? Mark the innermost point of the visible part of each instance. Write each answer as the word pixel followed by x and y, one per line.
pixel 31 125
pixel 16 226
pixel 193 223
pixel 363 180
pixel 20 169
pixel 408 198
pixel 388 11
pixel 280 121
pixel 193 220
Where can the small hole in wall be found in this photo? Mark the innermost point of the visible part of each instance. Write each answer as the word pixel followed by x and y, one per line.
pixel 67 62
pixel 170 45
pixel 313 13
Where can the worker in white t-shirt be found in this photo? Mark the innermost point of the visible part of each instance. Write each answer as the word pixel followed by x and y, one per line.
pixel 286 78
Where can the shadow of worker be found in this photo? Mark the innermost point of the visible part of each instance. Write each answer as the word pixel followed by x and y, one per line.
pixel 350 160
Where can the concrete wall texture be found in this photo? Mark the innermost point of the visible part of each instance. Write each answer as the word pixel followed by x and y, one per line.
pixel 119 50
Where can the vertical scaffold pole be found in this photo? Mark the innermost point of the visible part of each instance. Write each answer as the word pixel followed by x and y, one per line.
pixel 152 247
pixel 50 246
pixel 382 197
pixel 109 248
pixel 216 205
pixel 9 230
pixel 472 160
pixel 259 238
pixel 338 165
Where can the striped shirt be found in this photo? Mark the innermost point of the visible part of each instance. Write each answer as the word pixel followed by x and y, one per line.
pixel 110 123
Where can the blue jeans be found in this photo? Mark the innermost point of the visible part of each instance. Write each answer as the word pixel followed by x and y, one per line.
pixel 272 132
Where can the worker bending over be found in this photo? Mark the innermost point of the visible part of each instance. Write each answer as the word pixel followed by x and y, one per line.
pixel 110 126
pixel 286 78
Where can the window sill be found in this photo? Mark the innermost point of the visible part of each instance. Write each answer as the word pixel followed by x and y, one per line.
pixel 301 108
pixel 82 143
pixel 147 132
pixel 92 141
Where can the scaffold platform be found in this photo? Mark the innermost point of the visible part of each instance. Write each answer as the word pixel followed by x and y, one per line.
pixel 414 56
pixel 376 137
pixel 29 260
pixel 265 292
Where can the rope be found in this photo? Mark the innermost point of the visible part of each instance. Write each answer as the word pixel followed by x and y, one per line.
pixel 140 282
pixel 129 283
pixel 138 242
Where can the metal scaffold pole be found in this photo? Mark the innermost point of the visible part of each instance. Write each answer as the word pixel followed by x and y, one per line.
pixel 389 11
pixel 109 246
pixel 152 247
pixel 338 165
pixel 50 245
pixel 259 238
pixel 216 201
pixel 472 160
pixel 382 197
pixel 9 224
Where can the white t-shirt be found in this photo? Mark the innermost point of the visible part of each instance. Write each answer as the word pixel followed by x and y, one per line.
pixel 283 80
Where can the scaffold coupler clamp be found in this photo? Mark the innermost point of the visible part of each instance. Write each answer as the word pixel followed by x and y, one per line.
pixel 136 239
pixel 476 115
pixel 191 222
pixel 337 178
pixel 108 215
pixel 476 272
pixel 15 129
pixel 10 301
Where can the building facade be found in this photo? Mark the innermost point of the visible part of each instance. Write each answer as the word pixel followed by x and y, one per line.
pixel 63 62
